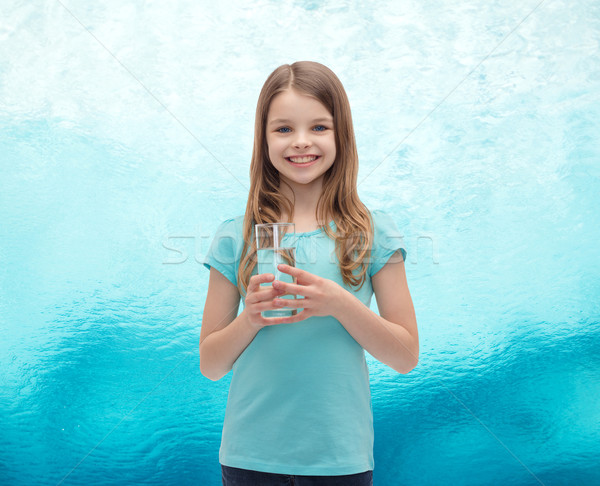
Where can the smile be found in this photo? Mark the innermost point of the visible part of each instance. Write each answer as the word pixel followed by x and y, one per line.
pixel 304 160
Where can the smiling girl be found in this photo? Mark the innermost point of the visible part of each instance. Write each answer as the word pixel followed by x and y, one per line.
pixel 299 405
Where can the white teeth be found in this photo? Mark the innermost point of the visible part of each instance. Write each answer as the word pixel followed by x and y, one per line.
pixel 301 160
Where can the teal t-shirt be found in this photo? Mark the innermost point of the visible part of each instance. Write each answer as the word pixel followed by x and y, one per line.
pixel 300 400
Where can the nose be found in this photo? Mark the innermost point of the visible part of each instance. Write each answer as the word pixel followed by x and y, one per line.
pixel 302 140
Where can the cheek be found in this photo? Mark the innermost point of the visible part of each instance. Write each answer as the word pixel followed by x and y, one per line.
pixel 332 147
pixel 270 148
pixel 274 146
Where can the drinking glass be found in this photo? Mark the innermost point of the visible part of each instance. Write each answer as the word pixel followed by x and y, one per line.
pixel 275 244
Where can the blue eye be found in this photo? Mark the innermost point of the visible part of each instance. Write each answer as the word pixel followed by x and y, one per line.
pixel 282 128
pixel 321 127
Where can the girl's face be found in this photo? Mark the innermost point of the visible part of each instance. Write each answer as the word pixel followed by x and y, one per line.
pixel 300 138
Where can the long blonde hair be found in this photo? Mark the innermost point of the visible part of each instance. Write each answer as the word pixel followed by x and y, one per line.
pixel 339 200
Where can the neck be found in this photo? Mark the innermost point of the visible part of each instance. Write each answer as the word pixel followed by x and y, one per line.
pixel 305 197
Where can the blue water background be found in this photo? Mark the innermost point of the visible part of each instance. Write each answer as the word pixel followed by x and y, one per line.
pixel 125 138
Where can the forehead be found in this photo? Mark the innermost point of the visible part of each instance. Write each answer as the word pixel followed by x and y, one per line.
pixel 295 105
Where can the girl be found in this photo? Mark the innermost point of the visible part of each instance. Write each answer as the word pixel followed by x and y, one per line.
pixel 299 405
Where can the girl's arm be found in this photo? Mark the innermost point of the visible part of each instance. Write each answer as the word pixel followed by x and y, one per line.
pixel 223 336
pixel 391 338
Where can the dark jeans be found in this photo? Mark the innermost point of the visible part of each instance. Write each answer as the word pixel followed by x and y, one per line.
pixel 232 476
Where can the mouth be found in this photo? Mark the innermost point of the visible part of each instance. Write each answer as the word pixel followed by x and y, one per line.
pixel 303 161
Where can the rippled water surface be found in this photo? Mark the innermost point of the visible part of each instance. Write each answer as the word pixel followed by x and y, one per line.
pixel 125 139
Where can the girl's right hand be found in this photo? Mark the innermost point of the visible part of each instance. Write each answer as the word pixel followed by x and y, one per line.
pixel 259 299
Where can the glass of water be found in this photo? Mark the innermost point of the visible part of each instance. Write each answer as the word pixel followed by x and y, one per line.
pixel 275 244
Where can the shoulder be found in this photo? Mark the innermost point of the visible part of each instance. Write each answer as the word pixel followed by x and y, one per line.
pixel 228 236
pixel 382 220
pixel 387 238
pixel 232 226
pixel 378 214
pixel 225 249
pixel 235 221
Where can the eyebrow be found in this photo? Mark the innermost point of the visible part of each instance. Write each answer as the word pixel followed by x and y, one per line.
pixel 283 120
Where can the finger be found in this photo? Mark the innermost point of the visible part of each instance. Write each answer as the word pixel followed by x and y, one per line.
pixel 271 321
pixel 295 303
pixel 256 280
pixel 267 305
pixel 262 294
pixel 296 272
pixel 290 288
pixel 267 294
pixel 300 316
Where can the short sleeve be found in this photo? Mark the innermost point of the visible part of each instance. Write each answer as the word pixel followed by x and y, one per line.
pixel 387 239
pixel 223 252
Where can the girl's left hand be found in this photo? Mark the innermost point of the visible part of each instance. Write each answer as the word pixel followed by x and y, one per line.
pixel 322 297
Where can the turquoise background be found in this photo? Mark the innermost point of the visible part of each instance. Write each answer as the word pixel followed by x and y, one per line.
pixel 126 131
